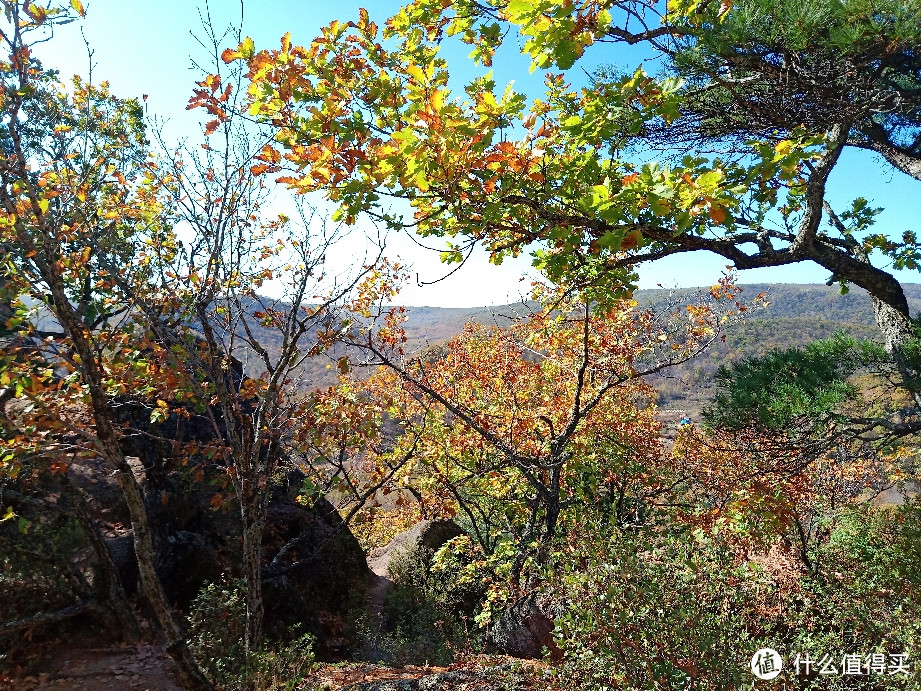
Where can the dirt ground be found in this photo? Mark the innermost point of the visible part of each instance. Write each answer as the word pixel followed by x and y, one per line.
pixel 86 667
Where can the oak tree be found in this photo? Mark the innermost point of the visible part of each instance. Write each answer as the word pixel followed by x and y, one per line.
pixel 79 208
pixel 518 427
pixel 779 91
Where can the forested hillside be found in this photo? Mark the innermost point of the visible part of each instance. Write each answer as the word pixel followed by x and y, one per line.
pixel 796 315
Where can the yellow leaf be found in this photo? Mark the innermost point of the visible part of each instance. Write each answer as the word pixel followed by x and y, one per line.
pixel 783 147
pixel 437 100
pixel 415 72
pixel 78 7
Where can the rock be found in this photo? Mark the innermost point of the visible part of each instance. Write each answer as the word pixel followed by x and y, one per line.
pixel 525 629
pixel 316 586
pixel 121 549
pixel 430 535
pixel 315 572
pixel 186 561
pixel 322 585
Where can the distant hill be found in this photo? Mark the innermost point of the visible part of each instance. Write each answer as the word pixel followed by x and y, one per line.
pixel 797 314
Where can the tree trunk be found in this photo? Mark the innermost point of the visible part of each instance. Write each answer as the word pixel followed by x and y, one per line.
pixel 176 645
pixel 889 304
pixel 896 328
pixel 46 618
pixel 254 525
pixel 111 451
pixel 553 503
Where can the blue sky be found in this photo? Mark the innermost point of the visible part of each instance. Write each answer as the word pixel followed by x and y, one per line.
pixel 145 47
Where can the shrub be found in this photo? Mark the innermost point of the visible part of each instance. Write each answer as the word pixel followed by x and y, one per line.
pixel 654 609
pixel 216 636
pixel 651 612
pixel 428 613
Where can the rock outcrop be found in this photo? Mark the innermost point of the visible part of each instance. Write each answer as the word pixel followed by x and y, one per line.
pixel 321 579
pixel 429 535
pixel 315 575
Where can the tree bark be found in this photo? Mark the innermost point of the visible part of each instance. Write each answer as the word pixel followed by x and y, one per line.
pixel 110 450
pixel 890 306
pixel 254 526
pixel 878 139
pixel 897 330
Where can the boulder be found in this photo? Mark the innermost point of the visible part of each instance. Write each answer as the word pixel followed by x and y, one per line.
pixel 525 629
pixel 429 535
pixel 396 606
pixel 319 583
pixel 315 577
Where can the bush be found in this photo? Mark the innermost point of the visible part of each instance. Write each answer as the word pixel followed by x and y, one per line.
pixel 686 610
pixel 651 612
pixel 216 635
pixel 428 613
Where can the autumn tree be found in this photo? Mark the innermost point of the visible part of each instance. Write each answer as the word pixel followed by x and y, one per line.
pixel 788 438
pixel 79 208
pixel 363 121
pixel 223 352
pixel 519 426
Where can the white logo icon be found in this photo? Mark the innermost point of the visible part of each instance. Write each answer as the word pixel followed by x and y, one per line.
pixel 766 663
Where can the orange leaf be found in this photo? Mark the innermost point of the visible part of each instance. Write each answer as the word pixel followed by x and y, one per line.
pixel 631 240
pixel 718 214
pixel 269 154
pixel 211 127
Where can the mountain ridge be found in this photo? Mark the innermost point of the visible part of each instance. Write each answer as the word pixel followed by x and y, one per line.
pixel 796 314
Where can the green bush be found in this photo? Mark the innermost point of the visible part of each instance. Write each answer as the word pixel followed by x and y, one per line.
pixel 654 609
pixel 216 635
pixel 427 615
pixel 651 612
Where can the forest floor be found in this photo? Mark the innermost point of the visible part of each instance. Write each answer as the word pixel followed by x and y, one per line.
pixel 87 662
pixel 90 663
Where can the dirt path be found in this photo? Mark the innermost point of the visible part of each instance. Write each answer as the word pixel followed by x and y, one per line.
pixel 143 667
